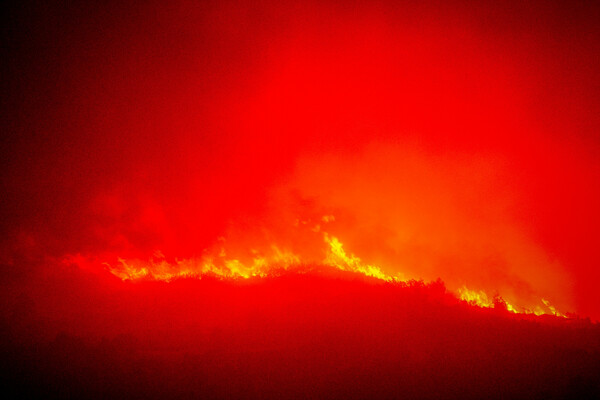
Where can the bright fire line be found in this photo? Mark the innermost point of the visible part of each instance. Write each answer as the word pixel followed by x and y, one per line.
pixel 158 268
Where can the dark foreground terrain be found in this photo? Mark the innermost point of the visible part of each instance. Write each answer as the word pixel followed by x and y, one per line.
pixel 298 336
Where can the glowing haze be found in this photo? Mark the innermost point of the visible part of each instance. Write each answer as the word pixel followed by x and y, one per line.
pixel 398 142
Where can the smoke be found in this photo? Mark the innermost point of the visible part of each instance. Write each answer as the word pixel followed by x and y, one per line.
pixel 447 141
pixel 428 216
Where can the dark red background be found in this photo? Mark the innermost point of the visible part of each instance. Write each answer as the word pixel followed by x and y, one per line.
pixel 132 128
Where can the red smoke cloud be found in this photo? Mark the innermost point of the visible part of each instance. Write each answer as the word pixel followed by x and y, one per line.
pixel 448 141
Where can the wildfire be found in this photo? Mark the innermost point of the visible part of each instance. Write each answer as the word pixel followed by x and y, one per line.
pixel 481 299
pixel 158 268
pixel 275 260
pixel 337 257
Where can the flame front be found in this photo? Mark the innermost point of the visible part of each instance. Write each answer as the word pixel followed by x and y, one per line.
pixel 481 299
pixel 158 268
pixel 276 260
pixel 337 257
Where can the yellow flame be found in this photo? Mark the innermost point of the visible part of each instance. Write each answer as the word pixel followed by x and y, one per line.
pixel 338 258
pixel 275 260
pixel 481 299
pixel 159 269
pixel 477 298
pixel 552 309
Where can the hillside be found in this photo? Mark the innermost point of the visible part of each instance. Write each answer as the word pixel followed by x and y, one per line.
pixel 318 335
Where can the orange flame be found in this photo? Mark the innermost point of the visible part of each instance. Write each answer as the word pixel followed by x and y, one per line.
pixel 158 268
pixel 481 299
pixel 277 260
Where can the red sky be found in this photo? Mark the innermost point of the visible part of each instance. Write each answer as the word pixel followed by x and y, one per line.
pixel 449 140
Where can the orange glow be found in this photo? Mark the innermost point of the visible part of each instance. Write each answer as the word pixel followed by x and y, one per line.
pixel 481 299
pixel 276 260
pixel 259 265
